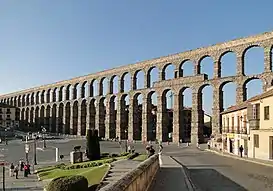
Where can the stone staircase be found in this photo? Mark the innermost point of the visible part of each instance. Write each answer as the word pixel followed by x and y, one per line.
pixel 117 170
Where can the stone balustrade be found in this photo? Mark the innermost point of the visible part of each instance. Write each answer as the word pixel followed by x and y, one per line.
pixel 138 179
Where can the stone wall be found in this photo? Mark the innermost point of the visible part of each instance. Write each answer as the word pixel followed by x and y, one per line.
pixel 138 179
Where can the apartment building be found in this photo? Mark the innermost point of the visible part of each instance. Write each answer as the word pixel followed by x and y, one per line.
pixel 235 129
pixel 9 116
pixel 260 116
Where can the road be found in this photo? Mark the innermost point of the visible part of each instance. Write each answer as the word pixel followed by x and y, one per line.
pixel 212 172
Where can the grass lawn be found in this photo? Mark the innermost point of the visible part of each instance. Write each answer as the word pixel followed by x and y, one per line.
pixel 141 157
pixel 93 174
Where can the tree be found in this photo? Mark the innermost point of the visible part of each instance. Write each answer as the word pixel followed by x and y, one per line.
pixel 92 145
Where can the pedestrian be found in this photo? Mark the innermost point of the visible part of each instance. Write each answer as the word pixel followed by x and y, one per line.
pixel 11 170
pixel 208 145
pixel 16 171
pixel 241 149
pixel 25 170
pixel 28 167
pixel 160 149
pixel 151 151
pixel 21 163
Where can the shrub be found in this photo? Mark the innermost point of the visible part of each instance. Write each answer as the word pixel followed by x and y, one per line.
pixel 61 166
pixel 124 154
pixel 132 155
pixel 103 155
pixel 114 155
pixel 68 183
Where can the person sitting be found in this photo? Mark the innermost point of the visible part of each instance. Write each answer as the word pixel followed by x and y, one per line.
pixel 151 151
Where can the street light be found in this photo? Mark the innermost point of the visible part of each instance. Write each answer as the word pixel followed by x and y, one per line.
pixel 126 146
pixel 34 150
pixel 6 141
pixel 44 141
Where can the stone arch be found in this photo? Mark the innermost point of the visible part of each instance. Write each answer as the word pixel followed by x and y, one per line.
pixel 32 98
pixel 206 66
pixel 137 115
pixel 84 90
pixel 223 103
pixel 48 118
pixel 31 118
pixel 168 71
pixel 42 116
pixel 53 116
pixel 66 118
pixel 19 101
pixel 61 94
pixel 112 116
pixel 67 92
pixel 24 100
pixel 75 113
pixel 138 79
pixel 125 82
pixel 48 97
pixel 76 91
pixel 103 86
pixel 253 59
pixel 37 118
pixel 23 118
pixel 59 119
pixel 37 98
pixel 186 68
pixel 152 76
pixel 227 64
pixel 94 88
pixel 43 97
pixel 27 118
pixel 271 58
pixel 255 90
pixel 152 97
pixel 124 116
pixel 83 108
pixel 92 113
pixel 167 114
pixel 114 86
pixel 102 115
pixel 185 114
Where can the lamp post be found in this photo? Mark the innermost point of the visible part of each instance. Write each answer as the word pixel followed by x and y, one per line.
pixel 126 146
pixel 44 141
pixel 6 141
pixel 34 150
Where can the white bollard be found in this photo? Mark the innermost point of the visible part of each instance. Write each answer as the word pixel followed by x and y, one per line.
pixel 57 154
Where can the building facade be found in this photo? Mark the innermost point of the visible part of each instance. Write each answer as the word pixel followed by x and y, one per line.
pixel 260 114
pixel 9 116
pixel 235 130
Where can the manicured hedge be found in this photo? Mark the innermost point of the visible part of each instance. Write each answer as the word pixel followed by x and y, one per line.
pixel 68 183
pixel 132 155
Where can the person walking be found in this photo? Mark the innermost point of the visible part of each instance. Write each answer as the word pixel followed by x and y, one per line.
pixel 11 170
pixel 241 149
pixel 160 149
pixel 16 171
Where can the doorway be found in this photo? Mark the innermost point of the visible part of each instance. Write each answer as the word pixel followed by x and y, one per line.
pixel 270 147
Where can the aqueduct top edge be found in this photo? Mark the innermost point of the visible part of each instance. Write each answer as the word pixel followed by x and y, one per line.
pixel 149 63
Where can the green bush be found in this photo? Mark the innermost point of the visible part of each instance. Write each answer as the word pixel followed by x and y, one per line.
pixel 68 183
pixel 124 154
pixel 114 155
pixel 103 155
pixel 62 165
pixel 132 155
pixel 89 164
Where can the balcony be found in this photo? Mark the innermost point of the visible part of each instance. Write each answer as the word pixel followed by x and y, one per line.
pixel 254 124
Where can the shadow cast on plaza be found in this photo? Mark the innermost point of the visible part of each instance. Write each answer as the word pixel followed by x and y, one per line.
pixel 210 179
pixel 168 178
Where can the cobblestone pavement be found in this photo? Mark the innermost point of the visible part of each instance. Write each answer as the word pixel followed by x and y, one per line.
pixel 211 172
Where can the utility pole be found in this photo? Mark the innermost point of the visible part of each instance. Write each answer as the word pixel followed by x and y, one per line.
pixel 4 187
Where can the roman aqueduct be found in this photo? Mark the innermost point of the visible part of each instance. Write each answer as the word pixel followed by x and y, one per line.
pixel 71 107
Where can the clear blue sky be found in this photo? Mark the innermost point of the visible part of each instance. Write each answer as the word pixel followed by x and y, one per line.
pixel 46 41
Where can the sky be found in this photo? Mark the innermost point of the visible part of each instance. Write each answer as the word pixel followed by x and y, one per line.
pixel 42 42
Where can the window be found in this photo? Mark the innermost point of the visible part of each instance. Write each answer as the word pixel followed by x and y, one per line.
pixel 238 124
pixel 254 111
pixel 256 140
pixel 232 124
pixel 266 113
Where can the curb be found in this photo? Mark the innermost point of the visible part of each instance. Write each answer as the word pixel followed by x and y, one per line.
pixel 103 178
pixel 242 159
pixel 190 185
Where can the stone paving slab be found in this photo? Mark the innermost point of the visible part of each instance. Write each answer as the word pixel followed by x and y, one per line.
pixel 170 176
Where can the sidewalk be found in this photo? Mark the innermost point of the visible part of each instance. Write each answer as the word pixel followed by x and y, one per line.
pixel 170 176
pixel 253 160
pixel 22 183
